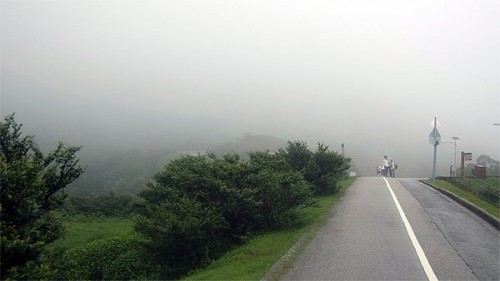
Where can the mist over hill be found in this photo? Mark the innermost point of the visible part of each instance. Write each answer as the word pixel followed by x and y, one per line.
pixel 191 76
pixel 248 143
pixel 127 170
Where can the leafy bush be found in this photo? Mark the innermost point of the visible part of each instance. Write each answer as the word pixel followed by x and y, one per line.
pixel 279 190
pixel 322 168
pixel 114 258
pixel 201 205
pixel 182 233
pixel 299 157
pixel 328 167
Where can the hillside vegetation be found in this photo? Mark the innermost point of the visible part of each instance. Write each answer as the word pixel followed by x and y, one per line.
pixel 194 210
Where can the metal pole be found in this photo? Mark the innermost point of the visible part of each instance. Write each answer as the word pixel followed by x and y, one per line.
pixel 462 164
pixel 434 161
pixel 435 151
pixel 455 165
pixel 455 152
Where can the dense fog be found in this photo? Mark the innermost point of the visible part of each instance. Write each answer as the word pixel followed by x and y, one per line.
pixel 203 75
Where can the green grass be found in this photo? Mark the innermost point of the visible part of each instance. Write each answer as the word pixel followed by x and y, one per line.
pixel 494 181
pixel 254 259
pixel 478 186
pixel 83 230
pixel 490 208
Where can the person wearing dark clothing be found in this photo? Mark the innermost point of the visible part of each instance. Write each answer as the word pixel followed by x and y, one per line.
pixel 393 167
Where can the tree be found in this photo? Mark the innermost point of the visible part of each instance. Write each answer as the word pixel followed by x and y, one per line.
pixel 32 186
pixel 492 166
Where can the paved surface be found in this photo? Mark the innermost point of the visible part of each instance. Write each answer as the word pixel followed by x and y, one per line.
pixel 475 240
pixel 366 239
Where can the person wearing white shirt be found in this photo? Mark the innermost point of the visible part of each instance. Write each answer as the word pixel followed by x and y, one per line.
pixel 387 166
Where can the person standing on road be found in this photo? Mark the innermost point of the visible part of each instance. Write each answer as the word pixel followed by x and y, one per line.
pixel 387 166
pixel 393 166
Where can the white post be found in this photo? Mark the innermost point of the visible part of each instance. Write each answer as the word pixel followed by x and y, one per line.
pixel 455 163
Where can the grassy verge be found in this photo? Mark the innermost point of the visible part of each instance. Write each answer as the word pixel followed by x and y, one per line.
pixel 253 260
pixel 83 230
pixel 490 208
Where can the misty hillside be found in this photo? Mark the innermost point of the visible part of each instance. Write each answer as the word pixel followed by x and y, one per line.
pixel 187 78
pixel 122 171
pixel 250 143
pixel 127 171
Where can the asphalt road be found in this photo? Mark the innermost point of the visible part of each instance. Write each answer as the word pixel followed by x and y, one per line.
pixel 366 237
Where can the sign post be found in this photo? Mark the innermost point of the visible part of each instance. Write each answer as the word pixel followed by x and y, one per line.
pixel 434 139
pixel 466 156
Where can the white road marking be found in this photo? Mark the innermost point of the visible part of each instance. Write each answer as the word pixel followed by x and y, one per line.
pixel 420 252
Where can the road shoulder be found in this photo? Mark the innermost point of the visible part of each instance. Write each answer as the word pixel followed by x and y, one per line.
pixel 444 259
pixel 469 205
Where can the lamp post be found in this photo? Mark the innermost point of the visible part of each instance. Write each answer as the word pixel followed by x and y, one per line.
pixel 455 154
pixel 455 143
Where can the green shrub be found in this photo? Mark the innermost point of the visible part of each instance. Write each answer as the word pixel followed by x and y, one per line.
pixel 279 190
pixel 114 258
pixel 329 168
pixel 322 168
pixel 61 265
pixel 182 233
pixel 199 206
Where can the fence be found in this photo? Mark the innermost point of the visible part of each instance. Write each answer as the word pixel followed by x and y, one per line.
pixel 487 190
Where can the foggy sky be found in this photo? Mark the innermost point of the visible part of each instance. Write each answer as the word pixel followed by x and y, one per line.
pixel 370 74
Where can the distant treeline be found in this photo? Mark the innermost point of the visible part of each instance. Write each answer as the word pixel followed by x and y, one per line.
pixel 127 171
pixel 109 205
pixel 491 165
pixel 119 172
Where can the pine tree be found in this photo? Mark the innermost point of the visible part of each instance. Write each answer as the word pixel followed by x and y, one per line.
pixel 32 186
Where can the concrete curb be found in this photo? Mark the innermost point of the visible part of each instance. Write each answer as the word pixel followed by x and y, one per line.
pixel 475 209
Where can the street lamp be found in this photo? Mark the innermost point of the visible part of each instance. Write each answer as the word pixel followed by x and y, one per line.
pixel 455 154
